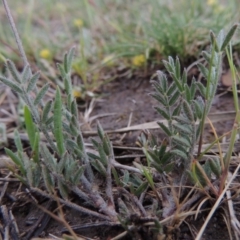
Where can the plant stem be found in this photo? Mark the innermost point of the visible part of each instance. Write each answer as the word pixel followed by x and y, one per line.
pixel 15 32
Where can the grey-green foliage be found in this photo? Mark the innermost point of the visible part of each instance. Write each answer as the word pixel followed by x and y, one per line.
pixel 185 106
pixel 62 160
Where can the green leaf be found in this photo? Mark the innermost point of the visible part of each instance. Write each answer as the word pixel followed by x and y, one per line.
pixel 65 63
pixel 48 179
pixel 49 159
pixel 26 73
pixel 102 155
pixel 220 39
pixel 174 98
pixel 165 129
pixel 215 167
pixel 203 70
pixel 181 141
pixel 201 88
pixel 183 128
pixel 18 141
pixel 141 189
pixel 181 119
pixel 41 94
pixel 70 58
pixel 63 189
pixel 178 68
pixel 100 131
pixel 179 153
pixel 29 170
pixel 57 119
pixel 12 85
pixel 33 81
pixel 30 126
pixel 163 113
pixel 160 99
pixel 187 110
pixel 172 88
pixel 46 110
pixel 77 175
pixel 116 177
pixel 14 72
pixel 229 36
pixel 16 160
pixel 35 150
pixel 214 42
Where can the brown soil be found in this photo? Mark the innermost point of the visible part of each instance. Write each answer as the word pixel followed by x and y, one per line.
pixel 127 100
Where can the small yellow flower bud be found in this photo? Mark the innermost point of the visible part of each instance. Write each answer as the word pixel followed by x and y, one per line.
pixel 45 53
pixel 78 22
pixel 138 60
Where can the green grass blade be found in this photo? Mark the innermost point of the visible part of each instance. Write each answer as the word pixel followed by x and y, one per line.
pixel 57 119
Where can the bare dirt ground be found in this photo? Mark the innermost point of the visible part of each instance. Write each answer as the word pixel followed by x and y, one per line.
pixel 125 103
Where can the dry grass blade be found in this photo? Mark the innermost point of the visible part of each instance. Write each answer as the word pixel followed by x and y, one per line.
pixel 217 203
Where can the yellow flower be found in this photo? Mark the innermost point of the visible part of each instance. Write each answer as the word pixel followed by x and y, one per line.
pixel 212 2
pixel 138 60
pixel 76 93
pixel 78 22
pixel 45 53
pixel 108 60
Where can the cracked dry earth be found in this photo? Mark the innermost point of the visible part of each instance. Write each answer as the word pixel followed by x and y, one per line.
pixel 126 103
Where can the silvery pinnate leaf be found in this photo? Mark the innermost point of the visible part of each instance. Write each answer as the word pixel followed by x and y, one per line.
pixel 28 167
pixel 99 167
pixel 201 88
pixel 77 175
pixel 100 131
pixel 179 153
pixel 17 160
pixel 46 110
pixel 48 179
pixel 74 109
pixel 32 82
pixel 220 39
pixel 215 167
pixel 62 188
pixel 178 68
pixel 163 113
pixel 165 129
pixel 106 145
pixel 229 36
pixel 102 155
pixel 70 56
pixel 174 98
pixel 49 159
pixel 49 121
pixel 30 126
pixel 214 43
pixel 181 141
pixel 188 95
pixel 172 88
pixel 188 110
pixel 71 145
pixel 41 94
pixel 14 72
pixel 203 70
pixel 57 120
pixel 10 84
pixel 160 99
pixel 63 73
pixel 26 73
pixel 182 119
pixel 35 149
pixel 17 141
pixel 183 128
